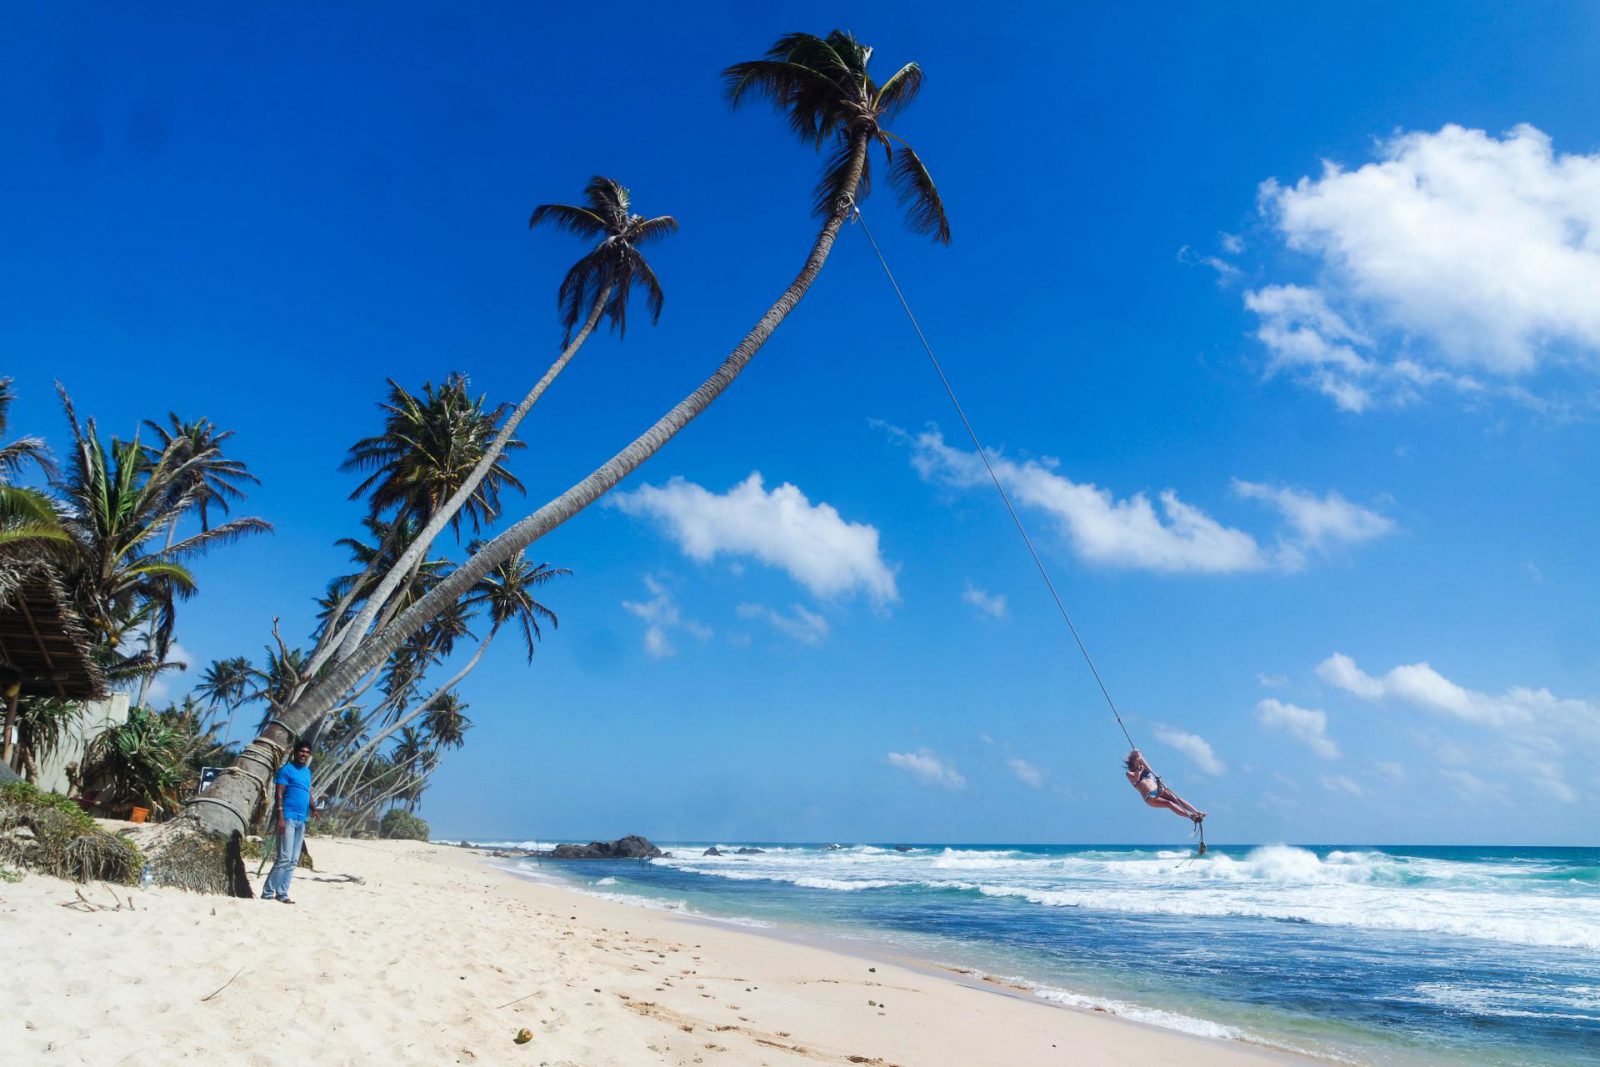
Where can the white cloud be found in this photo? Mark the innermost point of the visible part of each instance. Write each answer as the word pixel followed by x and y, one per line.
pixel 781 527
pixel 1394 773
pixel 661 614
pixel 1226 271
pixel 1197 748
pixel 1026 773
pixel 1453 256
pixel 1421 686
pixel 1338 783
pixel 804 626
pixel 1232 243
pixel 1315 523
pixel 1472 787
pixel 991 604
pixel 1272 681
pixel 165 686
pixel 1306 725
pixel 1534 730
pixel 928 769
pixel 1133 533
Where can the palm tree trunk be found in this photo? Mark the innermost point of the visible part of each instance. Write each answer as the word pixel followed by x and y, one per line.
pixel 333 633
pixel 415 552
pixel 149 629
pixel 236 794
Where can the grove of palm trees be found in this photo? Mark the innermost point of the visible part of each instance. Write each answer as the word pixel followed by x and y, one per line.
pixel 440 567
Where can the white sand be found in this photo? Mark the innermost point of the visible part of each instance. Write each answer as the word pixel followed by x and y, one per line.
pixel 439 958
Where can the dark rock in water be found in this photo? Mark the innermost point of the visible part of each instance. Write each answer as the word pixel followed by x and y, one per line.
pixel 712 851
pixel 832 848
pixel 632 847
pixel 748 851
pixel 903 848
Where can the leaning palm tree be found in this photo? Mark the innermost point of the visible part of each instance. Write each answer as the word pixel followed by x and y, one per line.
pixel 507 594
pixel 828 93
pixel 598 285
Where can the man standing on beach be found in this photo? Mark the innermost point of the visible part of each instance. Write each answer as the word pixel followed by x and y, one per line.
pixel 291 809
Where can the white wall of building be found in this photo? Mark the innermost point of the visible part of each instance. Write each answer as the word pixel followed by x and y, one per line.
pixel 97 716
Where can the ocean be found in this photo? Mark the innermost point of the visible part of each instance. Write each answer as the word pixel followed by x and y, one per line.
pixel 1384 955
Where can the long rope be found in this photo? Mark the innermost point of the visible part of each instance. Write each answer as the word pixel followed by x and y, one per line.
pixel 984 455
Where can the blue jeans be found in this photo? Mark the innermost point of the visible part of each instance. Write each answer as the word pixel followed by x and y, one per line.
pixel 289 843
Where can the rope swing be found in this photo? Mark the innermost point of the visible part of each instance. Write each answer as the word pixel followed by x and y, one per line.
pixel 1005 497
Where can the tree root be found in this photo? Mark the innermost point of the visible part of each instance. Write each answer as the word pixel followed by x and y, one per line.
pixel 184 855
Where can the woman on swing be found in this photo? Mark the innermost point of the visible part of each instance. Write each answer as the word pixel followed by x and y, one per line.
pixel 1144 779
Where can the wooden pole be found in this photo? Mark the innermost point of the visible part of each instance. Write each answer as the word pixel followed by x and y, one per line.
pixel 13 693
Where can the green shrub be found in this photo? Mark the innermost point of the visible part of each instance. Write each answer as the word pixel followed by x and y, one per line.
pixel 140 761
pixel 61 839
pixel 403 824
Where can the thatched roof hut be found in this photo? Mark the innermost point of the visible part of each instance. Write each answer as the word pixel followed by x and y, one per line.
pixel 43 647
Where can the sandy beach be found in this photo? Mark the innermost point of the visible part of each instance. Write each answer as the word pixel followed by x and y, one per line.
pixel 402 952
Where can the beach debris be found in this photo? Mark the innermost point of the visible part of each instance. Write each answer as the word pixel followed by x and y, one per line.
pixel 523 1036
pixel 519 1000
pixel 224 985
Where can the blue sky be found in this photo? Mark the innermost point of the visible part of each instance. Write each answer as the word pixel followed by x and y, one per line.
pixel 1283 323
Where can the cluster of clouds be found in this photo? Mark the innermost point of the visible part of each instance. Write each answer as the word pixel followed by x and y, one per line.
pixel 827 555
pixel 661 615
pixel 1523 731
pixel 1455 259
pixel 780 527
pixel 930 769
pixel 1132 532
pixel 1531 732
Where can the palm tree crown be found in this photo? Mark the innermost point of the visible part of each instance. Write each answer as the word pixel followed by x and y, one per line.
pixel 507 591
pixel 610 270
pixel 210 479
pixel 822 85
pixel 429 446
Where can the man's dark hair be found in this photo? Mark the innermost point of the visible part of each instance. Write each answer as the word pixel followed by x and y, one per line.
pixel 298 745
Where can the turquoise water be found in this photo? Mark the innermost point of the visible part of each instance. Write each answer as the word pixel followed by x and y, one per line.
pixel 1375 955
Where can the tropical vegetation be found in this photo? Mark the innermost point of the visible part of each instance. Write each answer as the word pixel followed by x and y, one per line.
pixel 823 89
pixel 376 684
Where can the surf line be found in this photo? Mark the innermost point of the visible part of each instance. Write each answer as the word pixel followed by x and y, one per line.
pixel 1005 498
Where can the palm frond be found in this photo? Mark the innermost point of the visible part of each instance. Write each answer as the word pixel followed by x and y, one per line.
pixel 644 232
pixel 898 92
pixel 918 195
pixel 174 574
pixel 583 285
pixel 642 274
pixel 578 221
pixel 836 186
pixel 810 99
pixel 607 198
pixel 232 530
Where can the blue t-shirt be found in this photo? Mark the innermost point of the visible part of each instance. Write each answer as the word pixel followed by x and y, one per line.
pixel 297 791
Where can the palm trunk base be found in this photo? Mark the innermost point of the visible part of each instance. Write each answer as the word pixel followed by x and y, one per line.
pixel 185 854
